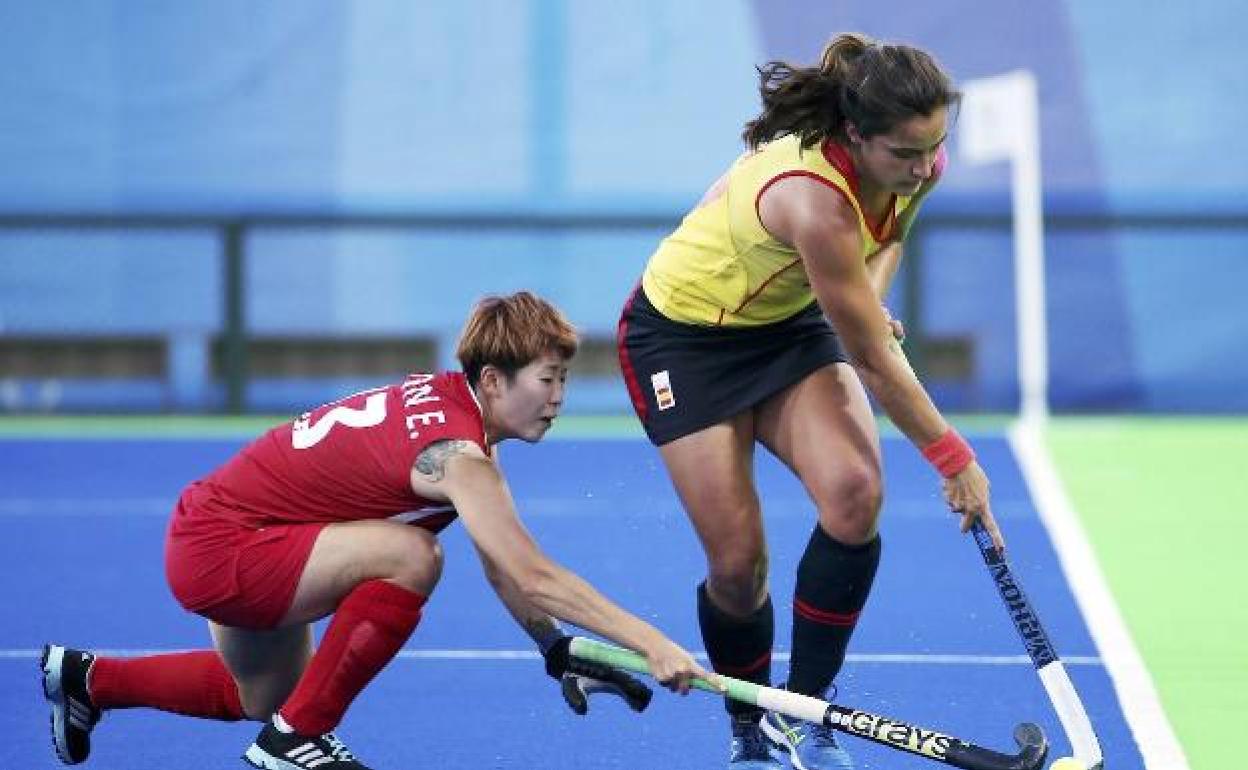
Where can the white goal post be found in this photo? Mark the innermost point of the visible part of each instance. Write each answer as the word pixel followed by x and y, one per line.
pixel 999 121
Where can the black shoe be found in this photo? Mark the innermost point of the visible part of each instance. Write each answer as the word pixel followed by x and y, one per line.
pixel 277 750
pixel 73 714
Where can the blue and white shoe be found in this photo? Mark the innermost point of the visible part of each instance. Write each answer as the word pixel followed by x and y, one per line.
pixel 750 748
pixel 809 746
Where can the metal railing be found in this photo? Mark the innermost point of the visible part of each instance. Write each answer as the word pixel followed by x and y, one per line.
pixel 233 230
pixel 1055 223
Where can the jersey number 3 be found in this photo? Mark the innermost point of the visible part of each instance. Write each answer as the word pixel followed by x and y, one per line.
pixel 306 434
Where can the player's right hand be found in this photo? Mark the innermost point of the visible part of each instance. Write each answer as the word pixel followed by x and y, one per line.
pixel 578 679
pixel 967 495
pixel 675 668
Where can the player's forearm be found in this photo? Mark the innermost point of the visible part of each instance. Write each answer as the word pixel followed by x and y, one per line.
pixel 565 595
pixel 888 377
pixel 531 586
pixel 844 291
pixel 538 624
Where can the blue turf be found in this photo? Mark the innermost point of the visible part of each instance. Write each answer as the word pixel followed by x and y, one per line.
pixel 83 559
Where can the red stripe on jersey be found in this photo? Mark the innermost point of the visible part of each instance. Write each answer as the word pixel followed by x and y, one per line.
pixel 838 156
pixel 753 295
pixel 784 175
pixel 626 363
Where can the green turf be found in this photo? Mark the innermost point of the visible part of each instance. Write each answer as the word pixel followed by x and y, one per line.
pixel 1164 500
pixel 1165 503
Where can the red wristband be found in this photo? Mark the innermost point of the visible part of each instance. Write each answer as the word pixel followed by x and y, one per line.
pixel 950 454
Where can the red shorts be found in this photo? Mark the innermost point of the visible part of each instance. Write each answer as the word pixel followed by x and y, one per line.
pixel 230 574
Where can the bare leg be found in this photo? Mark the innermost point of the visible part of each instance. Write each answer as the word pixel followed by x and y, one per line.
pixel 374 576
pixel 351 553
pixel 713 474
pixel 823 429
pixel 265 664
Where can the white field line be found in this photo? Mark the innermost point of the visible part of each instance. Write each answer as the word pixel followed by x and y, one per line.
pixel 1136 692
pixel 468 654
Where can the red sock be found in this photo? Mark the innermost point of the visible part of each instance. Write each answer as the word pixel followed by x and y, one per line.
pixel 195 684
pixel 368 629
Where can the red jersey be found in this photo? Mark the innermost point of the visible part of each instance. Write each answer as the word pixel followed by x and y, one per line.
pixel 347 460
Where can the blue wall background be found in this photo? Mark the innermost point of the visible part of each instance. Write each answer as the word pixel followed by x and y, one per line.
pixel 553 106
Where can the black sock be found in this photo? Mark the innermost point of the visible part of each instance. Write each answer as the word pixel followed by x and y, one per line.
pixel 738 647
pixel 833 580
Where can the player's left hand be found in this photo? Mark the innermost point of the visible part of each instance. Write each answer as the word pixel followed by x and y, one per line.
pixel 578 679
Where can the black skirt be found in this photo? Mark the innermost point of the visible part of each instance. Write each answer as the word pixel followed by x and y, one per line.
pixel 684 377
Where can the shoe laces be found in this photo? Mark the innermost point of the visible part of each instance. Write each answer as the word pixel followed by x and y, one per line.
pixel 337 749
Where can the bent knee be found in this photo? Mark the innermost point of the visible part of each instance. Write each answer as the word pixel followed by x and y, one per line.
pixel 738 581
pixel 849 505
pixel 416 561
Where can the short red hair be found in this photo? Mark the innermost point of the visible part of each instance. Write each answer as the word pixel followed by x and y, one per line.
pixel 511 332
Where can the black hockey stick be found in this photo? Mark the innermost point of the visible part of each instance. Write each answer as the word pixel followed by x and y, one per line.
pixel 883 730
pixel 1053 676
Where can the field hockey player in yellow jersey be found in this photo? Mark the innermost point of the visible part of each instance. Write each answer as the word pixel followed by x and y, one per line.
pixel 759 321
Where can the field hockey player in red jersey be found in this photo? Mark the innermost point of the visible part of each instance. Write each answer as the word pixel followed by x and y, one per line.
pixel 337 513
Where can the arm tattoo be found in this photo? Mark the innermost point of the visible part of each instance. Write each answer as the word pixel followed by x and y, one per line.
pixel 431 463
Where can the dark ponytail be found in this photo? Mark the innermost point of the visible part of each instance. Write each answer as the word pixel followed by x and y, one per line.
pixel 858 81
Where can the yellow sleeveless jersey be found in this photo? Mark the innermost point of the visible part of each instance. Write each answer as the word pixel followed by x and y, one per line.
pixel 722 268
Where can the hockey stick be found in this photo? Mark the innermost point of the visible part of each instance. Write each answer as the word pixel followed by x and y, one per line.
pixel 883 730
pixel 1057 684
